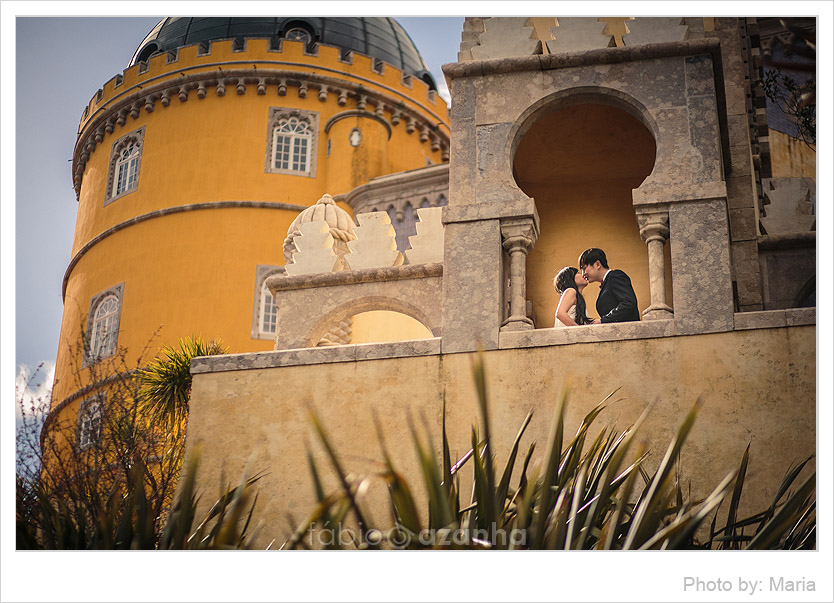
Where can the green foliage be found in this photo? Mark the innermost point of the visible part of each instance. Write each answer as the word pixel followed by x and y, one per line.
pixel 583 494
pixel 116 490
pixel 795 99
pixel 128 520
pixel 166 381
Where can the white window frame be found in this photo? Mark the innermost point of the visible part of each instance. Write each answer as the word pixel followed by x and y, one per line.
pixel 291 138
pixel 288 131
pixel 102 333
pixel 131 163
pixel 88 425
pixel 126 170
pixel 261 302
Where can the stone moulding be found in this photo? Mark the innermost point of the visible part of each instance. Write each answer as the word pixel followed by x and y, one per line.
pixel 79 393
pixel 587 334
pixel 599 56
pixel 166 212
pixel 770 319
pixel 164 86
pixel 354 352
pixel 357 113
pixel 308 306
pixel 607 56
pixel 396 190
pixel 795 240
pixel 279 283
pixel 649 329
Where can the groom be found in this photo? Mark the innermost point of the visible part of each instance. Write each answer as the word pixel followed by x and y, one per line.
pixel 616 301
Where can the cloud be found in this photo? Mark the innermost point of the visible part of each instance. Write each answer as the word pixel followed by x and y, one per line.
pixel 33 389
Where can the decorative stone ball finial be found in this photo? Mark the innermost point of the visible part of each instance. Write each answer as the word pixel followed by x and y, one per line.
pixel 325 209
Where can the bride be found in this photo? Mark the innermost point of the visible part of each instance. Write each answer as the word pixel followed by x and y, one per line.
pixel 570 312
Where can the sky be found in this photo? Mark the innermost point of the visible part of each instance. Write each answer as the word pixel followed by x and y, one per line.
pixel 60 63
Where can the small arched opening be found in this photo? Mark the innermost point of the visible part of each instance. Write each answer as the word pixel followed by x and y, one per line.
pixel 378 326
pixel 147 52
pixel 580 158
pixel 373 319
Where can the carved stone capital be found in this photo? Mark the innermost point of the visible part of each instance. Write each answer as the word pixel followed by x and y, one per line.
pixel 654 224
pixel 519 233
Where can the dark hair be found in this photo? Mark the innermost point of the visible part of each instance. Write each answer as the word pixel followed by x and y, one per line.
pixel 566 279
pixel 591 256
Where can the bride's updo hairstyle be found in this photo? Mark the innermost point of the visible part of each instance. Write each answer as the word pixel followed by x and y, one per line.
pixel 566 279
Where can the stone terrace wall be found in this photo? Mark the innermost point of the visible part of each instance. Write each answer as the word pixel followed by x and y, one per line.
pixel 251 410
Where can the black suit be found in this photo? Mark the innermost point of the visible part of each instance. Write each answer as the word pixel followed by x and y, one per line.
pixel 617 301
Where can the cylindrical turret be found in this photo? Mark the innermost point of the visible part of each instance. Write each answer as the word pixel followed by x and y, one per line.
pixel 190 166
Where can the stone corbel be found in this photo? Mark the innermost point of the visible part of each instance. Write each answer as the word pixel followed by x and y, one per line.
pixel 654 230
pixel 518 236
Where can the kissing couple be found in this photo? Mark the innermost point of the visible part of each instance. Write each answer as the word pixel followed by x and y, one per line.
pixel 616 301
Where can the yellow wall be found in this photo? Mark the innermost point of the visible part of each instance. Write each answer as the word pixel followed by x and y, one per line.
pixel 745 400
pixel 580 164
pixel 790 157
pixel 579 216
pixel 193 273
pixel 189 273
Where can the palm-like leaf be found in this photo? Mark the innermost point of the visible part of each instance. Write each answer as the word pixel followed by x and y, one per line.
pixel 166 381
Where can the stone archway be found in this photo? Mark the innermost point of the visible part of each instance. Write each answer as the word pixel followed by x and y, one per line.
pixel 579 155
pixel 363 305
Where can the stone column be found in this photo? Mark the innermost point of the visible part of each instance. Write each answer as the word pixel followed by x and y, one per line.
pixel 518 237
pixel 654 230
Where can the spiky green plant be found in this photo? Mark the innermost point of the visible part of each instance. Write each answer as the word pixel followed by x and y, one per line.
pixel 574 498
pixel 166 381
pixel 127 521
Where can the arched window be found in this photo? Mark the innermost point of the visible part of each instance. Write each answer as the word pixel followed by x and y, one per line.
pixel 88 430
pixel 268 313
pixel 264 310
pixel 291 142
pixel 125 161
pixel 105 327
pixel 103 324
pixel 299 34
pixel 291 145
pixel 127 170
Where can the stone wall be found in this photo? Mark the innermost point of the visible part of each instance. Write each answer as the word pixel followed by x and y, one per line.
pixel 758 385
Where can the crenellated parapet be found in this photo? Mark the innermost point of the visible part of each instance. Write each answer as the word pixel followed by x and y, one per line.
pixel 358 85
pixel 325 284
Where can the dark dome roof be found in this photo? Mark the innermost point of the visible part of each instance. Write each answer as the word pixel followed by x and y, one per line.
pixel 379 37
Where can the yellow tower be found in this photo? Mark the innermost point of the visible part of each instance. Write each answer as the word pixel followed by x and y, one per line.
pixel 190 166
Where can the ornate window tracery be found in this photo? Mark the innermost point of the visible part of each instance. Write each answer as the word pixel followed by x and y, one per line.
pixel 88 429
pixel 265 312
pixel 103 324
pixel 125 161
pixel 292 142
